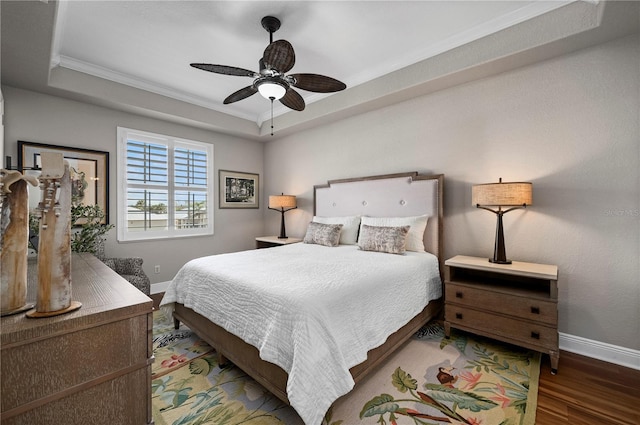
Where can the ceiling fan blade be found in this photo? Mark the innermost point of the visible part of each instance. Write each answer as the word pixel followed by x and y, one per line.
pixel 280 56
pixel 293 100
pixel 240 94
pixel 224 69
pixel 317 83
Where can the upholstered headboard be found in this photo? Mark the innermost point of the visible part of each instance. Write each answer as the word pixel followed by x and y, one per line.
pixel 391 195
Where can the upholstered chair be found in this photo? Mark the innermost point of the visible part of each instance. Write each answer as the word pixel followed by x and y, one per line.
pixel 128 268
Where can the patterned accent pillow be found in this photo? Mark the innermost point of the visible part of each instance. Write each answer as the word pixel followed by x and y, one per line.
pixel 383 239
pixel 351 225
pixel 323 234
pixel 415 237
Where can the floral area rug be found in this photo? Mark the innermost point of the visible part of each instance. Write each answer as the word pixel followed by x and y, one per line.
pixel 189 388
pixel 431 380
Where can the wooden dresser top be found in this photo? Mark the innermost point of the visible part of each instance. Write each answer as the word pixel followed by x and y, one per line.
pixel 105 297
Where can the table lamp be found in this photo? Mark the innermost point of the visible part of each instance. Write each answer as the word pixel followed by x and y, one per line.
pixel 513 194
pixel 282 203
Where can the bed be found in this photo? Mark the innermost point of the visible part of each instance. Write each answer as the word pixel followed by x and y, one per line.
pixel 310 356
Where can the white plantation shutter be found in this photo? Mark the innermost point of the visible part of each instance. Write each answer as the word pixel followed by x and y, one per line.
pixel 191 175
pixel 147 162
pixel 165 186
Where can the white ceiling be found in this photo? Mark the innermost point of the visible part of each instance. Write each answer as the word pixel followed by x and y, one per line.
pixel 149 44
pixel 135 55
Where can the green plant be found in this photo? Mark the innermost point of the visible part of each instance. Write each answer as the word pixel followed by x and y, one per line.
pixel 88 229
pixel 34 230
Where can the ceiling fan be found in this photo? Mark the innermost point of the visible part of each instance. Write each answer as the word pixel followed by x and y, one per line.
pixel 271 82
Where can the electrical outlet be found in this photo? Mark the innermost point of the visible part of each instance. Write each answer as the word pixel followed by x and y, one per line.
pixel 156 269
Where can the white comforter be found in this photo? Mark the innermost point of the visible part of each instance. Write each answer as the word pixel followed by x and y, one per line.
pixel 312 310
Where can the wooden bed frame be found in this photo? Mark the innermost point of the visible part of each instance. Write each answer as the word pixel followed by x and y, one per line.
pixel 399 190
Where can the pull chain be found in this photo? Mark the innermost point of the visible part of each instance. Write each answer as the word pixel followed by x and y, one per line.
pixel 272 99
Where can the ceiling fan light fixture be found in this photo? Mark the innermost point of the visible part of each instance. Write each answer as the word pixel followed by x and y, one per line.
pixel 271 89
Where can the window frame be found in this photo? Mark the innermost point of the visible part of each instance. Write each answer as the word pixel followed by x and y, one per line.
pixel 123 185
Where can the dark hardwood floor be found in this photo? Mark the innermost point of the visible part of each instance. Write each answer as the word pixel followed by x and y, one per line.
pixel 588 391
pixel 585 391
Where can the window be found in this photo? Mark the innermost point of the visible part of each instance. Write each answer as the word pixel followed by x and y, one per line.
pixel 165 186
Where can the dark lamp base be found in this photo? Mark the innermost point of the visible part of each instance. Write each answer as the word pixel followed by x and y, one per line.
pixel 492 260
pixel 499 252
pixel 283 231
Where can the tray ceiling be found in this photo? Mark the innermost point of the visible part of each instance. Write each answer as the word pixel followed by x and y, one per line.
pixel 135 55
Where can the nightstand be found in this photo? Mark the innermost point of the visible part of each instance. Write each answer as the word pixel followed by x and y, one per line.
pixel 271 241
pixel 515 303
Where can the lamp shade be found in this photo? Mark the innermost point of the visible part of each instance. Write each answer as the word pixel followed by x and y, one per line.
pixel 271 89
pixel 502 194
pixel 282 201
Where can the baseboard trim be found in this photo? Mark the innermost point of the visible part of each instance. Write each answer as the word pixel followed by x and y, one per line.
pixel 160 287
pixel 622 356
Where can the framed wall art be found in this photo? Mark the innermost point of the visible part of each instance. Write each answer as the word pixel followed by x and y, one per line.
pixel 239 190
pixel 89 173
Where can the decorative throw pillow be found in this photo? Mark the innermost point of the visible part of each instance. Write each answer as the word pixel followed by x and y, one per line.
pixel 418 224
pixel 323 234
pixel 351 224
pixel 383 239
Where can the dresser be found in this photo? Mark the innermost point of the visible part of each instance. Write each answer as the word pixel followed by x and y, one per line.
pixel 515 303
pixel 90 366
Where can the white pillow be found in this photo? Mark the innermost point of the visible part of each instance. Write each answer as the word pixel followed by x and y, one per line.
pixel 350 227
pixel 415 238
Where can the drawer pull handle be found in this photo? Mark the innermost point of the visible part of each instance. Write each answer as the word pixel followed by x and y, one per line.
pixel 458 315
pixel 458 294
pixel 535 335
pixel 535 310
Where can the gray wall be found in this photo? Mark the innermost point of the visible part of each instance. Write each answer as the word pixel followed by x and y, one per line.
pixel 47 119
pixel 569 125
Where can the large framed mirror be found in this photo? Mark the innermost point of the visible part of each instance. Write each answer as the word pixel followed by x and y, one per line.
pixel 89 173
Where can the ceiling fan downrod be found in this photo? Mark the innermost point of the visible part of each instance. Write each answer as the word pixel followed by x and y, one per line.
pixel 271 24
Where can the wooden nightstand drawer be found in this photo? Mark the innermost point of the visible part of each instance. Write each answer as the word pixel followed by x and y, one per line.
pixel 508 304
pixel 528 333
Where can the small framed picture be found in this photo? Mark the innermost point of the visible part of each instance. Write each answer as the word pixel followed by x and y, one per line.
pixel 239 190
pixel 89 173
